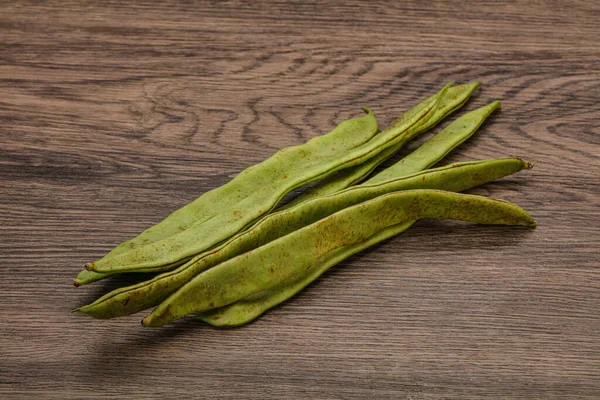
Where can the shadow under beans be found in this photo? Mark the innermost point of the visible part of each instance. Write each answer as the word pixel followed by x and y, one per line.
pixel 124 351
pixel 95 290
pixel 122 346
pixel 456 236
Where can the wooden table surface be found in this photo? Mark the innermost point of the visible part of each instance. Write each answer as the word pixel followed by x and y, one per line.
pixel 113 115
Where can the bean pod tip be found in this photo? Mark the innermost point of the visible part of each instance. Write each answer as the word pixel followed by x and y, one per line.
pixel 528 164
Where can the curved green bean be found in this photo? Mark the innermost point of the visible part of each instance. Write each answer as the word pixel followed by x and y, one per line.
pixel 454 99
pixel 291 255
pixel 249 308
pixel 205 234
pixel 438 147
pixel 347 135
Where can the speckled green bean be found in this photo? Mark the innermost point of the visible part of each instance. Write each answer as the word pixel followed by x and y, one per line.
pixel 249 308
pixel 456 177
pixel 438 147
pixel 454 99
pixel 206 233
pixel 291 255
pixel 346 136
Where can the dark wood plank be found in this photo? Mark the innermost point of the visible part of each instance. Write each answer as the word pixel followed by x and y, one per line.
pixel 113 115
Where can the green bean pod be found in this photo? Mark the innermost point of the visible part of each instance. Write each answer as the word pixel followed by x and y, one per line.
pixel 455 177
pixel 454 99
pixel 85 277
pixel 204 234
pixel 249 308
pixel 438 147
pixel 291 255
pixel 346 136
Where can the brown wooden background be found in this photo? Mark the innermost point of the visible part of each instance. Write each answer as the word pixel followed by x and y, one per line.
pixel 113 115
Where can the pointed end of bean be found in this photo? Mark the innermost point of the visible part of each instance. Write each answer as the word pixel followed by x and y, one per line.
pixel 526 220
pixel 524 164
pixel 93 310
pixel 467 88
pixel 76 310
pixel 448 86
pixel 82 309
pixel 473 85
pixel 159 317
pixel 528 164
pixel 368 111
pixel 496 105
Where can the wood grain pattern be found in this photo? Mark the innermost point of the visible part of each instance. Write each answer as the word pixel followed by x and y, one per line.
pixel 113 115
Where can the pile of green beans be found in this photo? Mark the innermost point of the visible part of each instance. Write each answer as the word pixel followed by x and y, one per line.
pixel 359 130
pixel 230 258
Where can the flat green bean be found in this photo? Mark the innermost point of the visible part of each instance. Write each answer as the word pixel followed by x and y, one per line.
pixel 346 136
pixel 249 308
pixel 438 147
pixel 454 99
pixel 207 233
pixel 456 177
pixel 291 255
